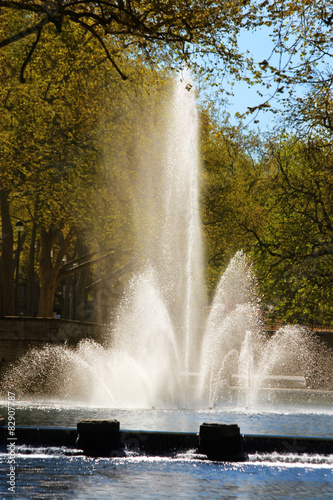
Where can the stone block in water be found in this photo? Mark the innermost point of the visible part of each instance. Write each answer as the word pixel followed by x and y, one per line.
pixel 220 441
pixel 98 437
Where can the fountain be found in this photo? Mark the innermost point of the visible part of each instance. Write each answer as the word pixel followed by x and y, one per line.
pixel 167 348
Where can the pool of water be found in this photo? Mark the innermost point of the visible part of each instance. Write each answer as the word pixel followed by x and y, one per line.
pixel 299 417
pixel 54 473
pixel 59 473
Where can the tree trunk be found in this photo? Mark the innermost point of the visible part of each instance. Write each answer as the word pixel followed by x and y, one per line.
pixel 48 270
pixel 47 290
pixel 7 291
pixel 81 295
pixel 80 280
pixel 48 274
pixel 31 274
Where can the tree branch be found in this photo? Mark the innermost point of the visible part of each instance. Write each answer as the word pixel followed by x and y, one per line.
pixel 26 32
pixel 108 55
pixel 29 56
pixel 76 265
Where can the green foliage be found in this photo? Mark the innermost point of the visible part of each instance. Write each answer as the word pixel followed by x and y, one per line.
pixel 62 179
pixel 232 180
pixel 163 33
pixel 295 250
pixel 73 141
pixel 273 199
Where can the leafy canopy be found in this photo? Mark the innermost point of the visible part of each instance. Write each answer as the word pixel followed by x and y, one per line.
pixel 160 31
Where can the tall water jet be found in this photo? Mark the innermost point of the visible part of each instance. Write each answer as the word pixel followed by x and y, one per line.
pixel 175 246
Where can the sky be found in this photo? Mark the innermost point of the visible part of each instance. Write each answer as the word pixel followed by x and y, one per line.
pixel 260 46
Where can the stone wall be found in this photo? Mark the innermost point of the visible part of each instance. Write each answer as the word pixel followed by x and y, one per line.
pixel 324 335
pixel 17 335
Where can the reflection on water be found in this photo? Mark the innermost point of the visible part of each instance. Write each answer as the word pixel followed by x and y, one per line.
pixel 309 413
pixel 44 475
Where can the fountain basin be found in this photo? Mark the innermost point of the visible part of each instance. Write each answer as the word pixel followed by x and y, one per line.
pixel 165 443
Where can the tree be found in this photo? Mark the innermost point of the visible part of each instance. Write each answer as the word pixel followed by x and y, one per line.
pixel 232 181
pixel 6 262
pixel 162 32
pixel 49 155
pixel 301 31
pixel 312 112
pixel 299 51
pixel 295 246
pixel 201 34
pixel 74 137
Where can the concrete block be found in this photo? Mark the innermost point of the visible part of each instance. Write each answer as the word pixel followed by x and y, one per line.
pixel 99 437
pixel 220 441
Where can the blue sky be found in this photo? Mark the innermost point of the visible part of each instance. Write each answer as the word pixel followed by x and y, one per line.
pixel 260 46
